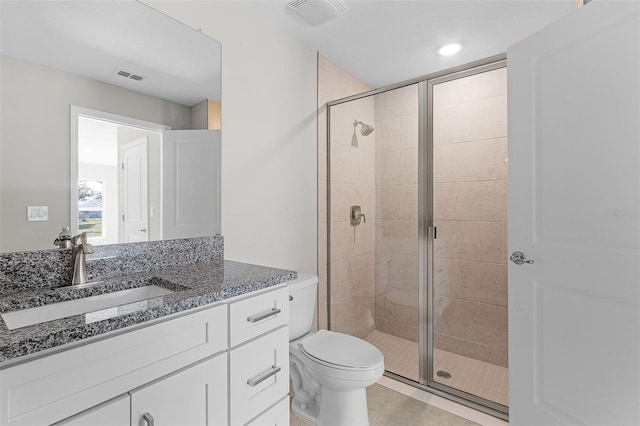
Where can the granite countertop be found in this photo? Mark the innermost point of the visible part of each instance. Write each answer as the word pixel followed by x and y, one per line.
pixel 194 285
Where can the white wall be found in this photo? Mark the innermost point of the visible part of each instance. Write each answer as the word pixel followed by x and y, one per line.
pixel 269 188
pixel 34 153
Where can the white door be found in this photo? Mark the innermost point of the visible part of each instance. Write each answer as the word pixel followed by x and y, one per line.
pixel 135 191
pixel 191 183
pixel 574 209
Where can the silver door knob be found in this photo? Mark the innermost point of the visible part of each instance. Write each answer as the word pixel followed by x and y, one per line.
pixel 519 258
pixel 143 230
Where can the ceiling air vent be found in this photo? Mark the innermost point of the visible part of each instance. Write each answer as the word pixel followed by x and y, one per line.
pixel 127 74
pixel 317 12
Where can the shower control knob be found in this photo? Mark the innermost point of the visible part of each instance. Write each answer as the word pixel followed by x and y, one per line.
pixel 519 258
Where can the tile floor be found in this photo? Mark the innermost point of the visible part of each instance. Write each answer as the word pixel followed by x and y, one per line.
pixel 390 408
pixel 469 375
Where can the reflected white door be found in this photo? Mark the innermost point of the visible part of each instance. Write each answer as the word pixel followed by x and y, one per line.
pixel 135 191
pixel 574 209
pixel 191 183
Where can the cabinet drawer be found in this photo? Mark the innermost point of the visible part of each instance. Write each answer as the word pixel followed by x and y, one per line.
pixel 55 387
pixel 257 315
pixel 278 415
pixel 259 375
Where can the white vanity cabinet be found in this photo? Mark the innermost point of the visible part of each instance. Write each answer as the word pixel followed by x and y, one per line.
pixel 182 371
pixel 259 355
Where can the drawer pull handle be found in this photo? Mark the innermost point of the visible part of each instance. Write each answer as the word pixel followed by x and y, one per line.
pixel 148 418
pixel 264 315
pixel 263 376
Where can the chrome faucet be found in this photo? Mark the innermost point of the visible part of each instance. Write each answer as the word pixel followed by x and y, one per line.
pixel 80 248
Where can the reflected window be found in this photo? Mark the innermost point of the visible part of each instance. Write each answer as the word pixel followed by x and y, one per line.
pixel 90 203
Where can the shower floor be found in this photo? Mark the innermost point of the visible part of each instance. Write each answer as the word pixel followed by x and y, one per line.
pixel 467 374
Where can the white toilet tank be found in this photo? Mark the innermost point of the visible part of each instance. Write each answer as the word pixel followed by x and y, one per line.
pixel 302 304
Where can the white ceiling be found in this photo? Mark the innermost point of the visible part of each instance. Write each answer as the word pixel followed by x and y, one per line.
pixel 94 38
pixel 386 42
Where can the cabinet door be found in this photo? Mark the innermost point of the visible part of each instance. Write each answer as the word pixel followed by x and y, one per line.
pixel 196 395
pixel 111 413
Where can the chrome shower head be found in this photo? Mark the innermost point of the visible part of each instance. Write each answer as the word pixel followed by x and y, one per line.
pixel 365 130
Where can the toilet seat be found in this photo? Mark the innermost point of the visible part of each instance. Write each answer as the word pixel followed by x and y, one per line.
pixel 341 351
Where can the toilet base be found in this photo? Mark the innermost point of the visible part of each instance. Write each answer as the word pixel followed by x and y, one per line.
pixel 343 408
pixel 337 408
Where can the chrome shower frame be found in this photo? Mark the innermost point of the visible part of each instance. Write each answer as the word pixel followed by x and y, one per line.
pixel 426 230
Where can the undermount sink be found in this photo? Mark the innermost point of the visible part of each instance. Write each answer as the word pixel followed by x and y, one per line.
pixel 99 305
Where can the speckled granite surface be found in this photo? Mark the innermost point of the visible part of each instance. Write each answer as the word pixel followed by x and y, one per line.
pixel 192 268
pixel 52 268
pixel 197 284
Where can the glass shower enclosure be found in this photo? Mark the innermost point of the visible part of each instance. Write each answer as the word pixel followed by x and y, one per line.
pixel 423 275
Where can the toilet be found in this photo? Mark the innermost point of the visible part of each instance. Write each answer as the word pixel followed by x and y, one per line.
pixel 329 371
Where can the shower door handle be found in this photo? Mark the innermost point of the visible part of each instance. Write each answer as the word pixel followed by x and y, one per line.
pixel 519 258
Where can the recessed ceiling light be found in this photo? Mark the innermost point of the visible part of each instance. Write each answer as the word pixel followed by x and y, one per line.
pixel 449 49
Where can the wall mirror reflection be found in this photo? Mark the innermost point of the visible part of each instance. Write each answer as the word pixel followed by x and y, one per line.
pixel 110 124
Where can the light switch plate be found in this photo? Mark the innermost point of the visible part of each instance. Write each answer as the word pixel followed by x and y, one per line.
pixel 37 213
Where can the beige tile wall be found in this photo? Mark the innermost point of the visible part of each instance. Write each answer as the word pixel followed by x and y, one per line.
pixel 352 182
pixel 397 212
pixel 470 212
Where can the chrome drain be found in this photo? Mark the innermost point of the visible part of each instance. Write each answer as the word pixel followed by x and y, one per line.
pixel 443 374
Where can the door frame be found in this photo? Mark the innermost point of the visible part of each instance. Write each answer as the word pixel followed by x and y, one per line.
pixel 75 113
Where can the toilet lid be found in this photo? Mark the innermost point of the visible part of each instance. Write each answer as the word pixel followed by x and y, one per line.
pixel 342 350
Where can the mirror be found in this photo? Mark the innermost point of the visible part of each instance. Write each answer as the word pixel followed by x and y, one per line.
pixel 84 86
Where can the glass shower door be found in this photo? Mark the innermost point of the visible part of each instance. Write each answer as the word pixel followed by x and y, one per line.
pixel 468 285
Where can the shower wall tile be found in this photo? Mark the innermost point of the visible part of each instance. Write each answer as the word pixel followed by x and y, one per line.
pixel 472 349
pixel 351 165
pixel 348 241
pixel 398 133
pixel 470 209
pixel 399 202
pixel 488 327
pixel 481 160
pixel 399 271
pixel 322 308
pixel 398 236
pixel 354 314
pixel 395 312
pixel 475 281
pixel 446 242
pixel 400 167
pixel 474 241
pixel 407 298
pixel 479 86
pixel 397 329
pixel 400 102
pixel 475 201
pixel 334 83
pixel 492 117
pixel 345 195
pixel 322 204
pixel 455 123
pixel 322 233
pixel 471 161
pixel 352 276
pixel 445 163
